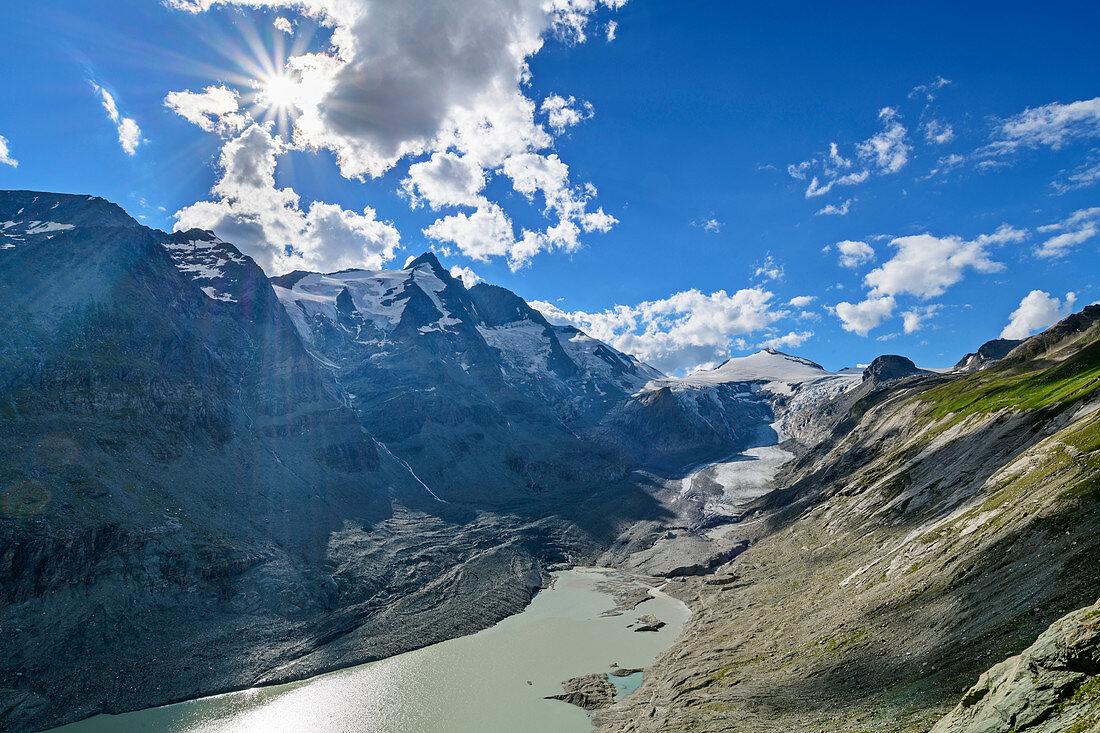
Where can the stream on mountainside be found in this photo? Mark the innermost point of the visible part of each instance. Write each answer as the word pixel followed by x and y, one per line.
pixel 494 680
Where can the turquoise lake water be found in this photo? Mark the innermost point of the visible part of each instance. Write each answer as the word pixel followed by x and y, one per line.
pixel 490 682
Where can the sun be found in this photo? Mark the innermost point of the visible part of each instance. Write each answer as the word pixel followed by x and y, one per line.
pixel 278 93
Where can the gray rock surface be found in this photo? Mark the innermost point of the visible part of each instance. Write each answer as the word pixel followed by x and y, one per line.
pixel 1052 686
pixel 680 552
pixel 649 622
pixel 890 368
pixel 591 692
pixel 988 353
pixel 942 524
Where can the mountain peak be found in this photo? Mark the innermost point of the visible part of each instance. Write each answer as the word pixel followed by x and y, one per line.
pixel 889 368
pixel 766 365
pixel 429 259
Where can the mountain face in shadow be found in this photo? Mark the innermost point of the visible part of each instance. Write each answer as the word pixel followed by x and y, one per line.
pixel 214 480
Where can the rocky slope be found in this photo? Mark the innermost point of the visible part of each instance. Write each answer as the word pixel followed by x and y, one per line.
pixel 942 524
pixel 1053 686
pixel 204 488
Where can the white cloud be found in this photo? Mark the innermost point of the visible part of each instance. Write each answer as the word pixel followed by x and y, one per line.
pixel 852 179
pixel 678 332
pixel 836 158
pixel 888 150
pixel 769 269
pixel 468 277
pixel 928 91
pixel 612 30
pixel 1037 311
pixel 485 233
pixel 282 24
pixel 925 266
pixel 914 318
pixel 861 317
pixel 885 152
pixel 214 109
pixel 792 340
pixel 445 179
pixel 801 301
pixel 269 224
pixel 438 84
pixel 1052 125
pixel 854 254
pixel 938 132
pixel 1082 176
pixel 129 134
pixel 798 171
pixel 5 153
pixel 710 224
pixel 1079 227
pixel 833 210
pixel 562 113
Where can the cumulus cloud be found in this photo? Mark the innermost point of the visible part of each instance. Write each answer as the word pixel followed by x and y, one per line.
pixel 485 233
pixel 282 24
pixel 612 30
pixel 860 318
pixel 5 153
pixel 129 134
pixel 445 179
pixel 445 86
pixel 468 277
pixel 678 332
pixel 1079 227
pixel 562 113
pixel 923 266
pixel 854 254
pixel 792 340
pixel 269 224
pixel 1037 311
pixel 801 301
pixel 214 109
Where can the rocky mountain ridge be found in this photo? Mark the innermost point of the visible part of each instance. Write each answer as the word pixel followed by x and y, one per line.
pixel 193 493
pixel 941 524
pixel 217 479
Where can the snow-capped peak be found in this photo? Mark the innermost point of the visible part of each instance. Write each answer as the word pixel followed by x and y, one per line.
pixel 767 365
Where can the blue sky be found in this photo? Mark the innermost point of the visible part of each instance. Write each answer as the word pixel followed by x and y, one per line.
pixel 661 174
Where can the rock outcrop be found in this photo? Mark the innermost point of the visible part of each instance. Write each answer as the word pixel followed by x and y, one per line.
pixel 988 353
pixel 1051 687
pixel 889 368
pixel 591 692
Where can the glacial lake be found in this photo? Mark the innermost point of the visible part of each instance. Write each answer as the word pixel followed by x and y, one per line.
pixel 476 683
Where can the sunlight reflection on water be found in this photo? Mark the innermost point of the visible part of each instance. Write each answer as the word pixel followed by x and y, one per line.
pixel 474 683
